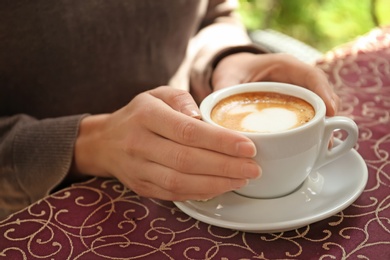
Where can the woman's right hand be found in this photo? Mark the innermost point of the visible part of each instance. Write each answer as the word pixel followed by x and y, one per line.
pixel 158 147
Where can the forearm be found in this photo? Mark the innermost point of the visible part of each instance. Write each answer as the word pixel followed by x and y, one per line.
pixel 222 34
pixel 35 155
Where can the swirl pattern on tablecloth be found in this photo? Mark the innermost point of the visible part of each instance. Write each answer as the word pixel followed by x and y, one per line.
pixel 101 219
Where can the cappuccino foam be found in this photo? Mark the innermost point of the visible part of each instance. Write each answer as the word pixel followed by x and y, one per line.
pixel 263 112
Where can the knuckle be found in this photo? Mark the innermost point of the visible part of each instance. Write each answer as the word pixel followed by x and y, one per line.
pixel 186 131
pixel 181 159
pixel 130 145
pixel 146 110
pixel 225 168
pixel 171 182
pixel 133 145
pixel 179 96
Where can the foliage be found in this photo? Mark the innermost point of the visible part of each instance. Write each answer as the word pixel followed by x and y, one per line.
pixel 322 24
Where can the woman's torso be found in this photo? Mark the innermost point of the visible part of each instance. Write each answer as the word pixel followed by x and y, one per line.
pixel 68 56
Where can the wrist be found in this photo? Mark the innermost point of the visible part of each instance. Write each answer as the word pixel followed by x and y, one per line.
pixel 88 147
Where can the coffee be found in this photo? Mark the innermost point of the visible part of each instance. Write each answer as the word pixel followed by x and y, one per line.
pixel 262 112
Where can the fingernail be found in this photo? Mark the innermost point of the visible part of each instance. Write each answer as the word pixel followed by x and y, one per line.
pixel 238 183
pixel 191 110
pixel 251 170
pixel 246 149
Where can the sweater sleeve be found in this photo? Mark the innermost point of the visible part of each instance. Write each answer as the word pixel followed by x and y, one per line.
pixel 35 156
pixel 220 34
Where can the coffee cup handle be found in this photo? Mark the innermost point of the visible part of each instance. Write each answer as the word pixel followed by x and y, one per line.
pixel 327 155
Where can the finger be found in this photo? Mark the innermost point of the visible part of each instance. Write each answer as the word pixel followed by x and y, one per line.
pixel 192 132
pixel 337 101
pixel 196 133
pixel 279 68
pixel 168 184
pixel 156 192
pixel 179 100
pixel 151 190
pixel 307 76
pixel 191 160
pixel 317 81
pixel 151 180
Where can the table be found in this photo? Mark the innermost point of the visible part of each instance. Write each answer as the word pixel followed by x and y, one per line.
pixel 100 219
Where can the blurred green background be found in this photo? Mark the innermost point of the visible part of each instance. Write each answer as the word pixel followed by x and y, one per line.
pixel 323 24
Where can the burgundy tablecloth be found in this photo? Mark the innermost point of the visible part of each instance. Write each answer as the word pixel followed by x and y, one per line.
pixel 100 219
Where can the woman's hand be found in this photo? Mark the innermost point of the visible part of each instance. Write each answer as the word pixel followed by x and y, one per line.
pixel 157 146
pixel 247 67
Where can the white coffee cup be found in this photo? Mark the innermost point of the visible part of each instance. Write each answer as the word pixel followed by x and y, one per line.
pixel 288 157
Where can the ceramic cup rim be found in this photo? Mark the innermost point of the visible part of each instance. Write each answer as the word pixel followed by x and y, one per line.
pixel 318 104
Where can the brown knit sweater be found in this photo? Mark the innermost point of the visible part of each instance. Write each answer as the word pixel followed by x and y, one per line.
pixel 60 60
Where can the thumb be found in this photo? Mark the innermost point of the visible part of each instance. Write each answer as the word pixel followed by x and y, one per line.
pixel 178 99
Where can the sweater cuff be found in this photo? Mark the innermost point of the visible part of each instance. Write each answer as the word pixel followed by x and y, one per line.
pixel 256 49
pixel 43 152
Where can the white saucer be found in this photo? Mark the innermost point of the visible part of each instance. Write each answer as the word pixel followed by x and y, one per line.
pixel 326 192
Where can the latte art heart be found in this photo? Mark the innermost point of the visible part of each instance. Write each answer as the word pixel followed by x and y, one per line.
pixel 264 120
pixel 262 112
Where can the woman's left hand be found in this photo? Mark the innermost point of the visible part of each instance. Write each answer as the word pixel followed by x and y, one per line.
pixel 248 67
